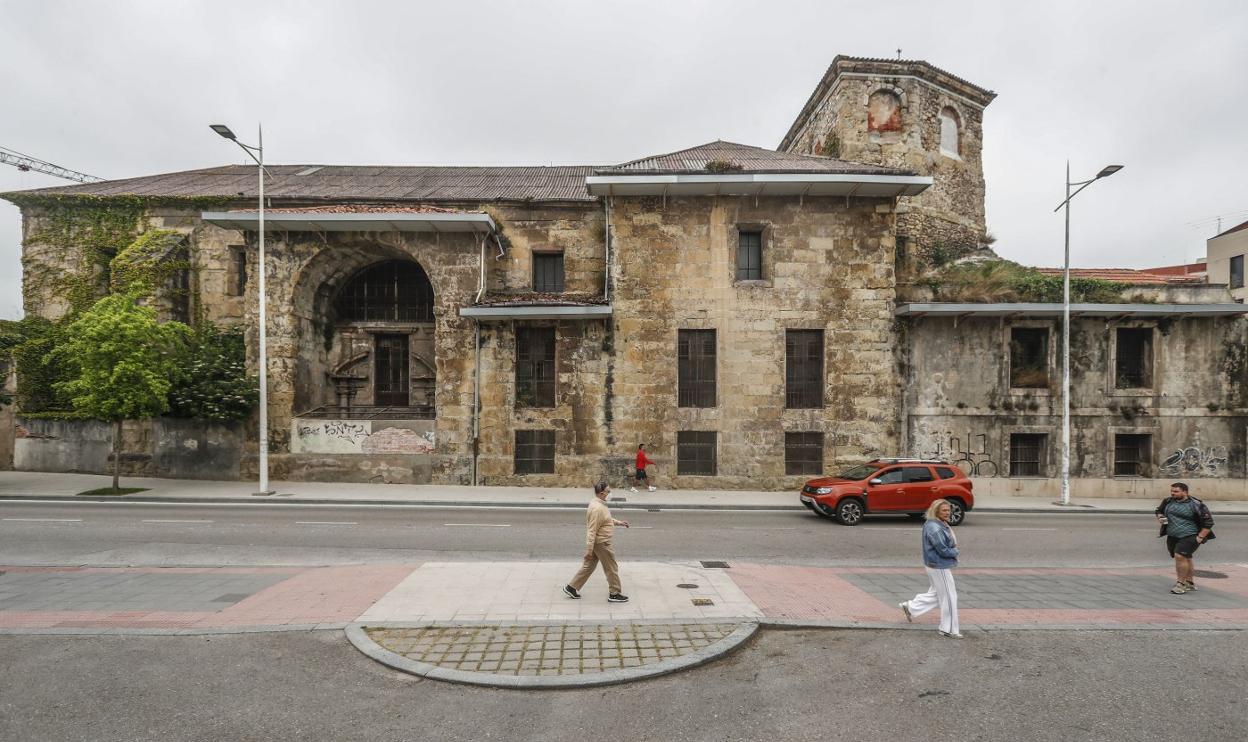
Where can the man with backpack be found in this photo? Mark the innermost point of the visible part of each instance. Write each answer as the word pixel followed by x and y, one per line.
pixel 1186 523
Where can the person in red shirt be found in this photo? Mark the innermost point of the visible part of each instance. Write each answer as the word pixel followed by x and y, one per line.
pixel 642 462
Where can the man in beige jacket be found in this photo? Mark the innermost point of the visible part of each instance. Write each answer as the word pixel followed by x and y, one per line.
pixel 600 527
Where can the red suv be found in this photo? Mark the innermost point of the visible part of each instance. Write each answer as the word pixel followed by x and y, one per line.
pixel 889 486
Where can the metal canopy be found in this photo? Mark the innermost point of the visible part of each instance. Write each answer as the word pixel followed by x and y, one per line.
pixel 496 314
pixel 1076 310
pixel 381 221
pixel 759 184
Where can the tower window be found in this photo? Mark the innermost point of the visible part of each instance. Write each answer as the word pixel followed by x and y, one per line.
pixel 950 133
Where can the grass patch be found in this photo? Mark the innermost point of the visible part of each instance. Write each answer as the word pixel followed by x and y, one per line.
pixel 110 492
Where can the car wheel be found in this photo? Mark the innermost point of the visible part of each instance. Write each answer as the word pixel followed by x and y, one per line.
pixel 849 512
pixel 957 512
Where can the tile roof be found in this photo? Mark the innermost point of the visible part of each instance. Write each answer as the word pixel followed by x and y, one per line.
pixel 751 159
pixel 1126 275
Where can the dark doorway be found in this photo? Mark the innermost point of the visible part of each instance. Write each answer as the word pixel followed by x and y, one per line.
pixel 391 383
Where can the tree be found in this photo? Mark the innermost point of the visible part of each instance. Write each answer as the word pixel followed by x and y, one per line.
pixel 212 381
pixel 124 362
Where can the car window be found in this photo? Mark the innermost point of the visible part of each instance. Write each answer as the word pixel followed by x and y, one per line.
pixel 892 476
pixel 945 472
pixel 918 474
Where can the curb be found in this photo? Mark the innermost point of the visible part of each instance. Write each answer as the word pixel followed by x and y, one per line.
pixel 794 624
pixel 359 638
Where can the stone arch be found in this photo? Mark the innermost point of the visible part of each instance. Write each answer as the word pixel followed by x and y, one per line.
pixel 884 108
pixel 950 132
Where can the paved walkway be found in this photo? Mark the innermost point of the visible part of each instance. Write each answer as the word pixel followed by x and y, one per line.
pixel 48 485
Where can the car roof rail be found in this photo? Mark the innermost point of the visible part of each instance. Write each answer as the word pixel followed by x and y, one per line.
pixel 893 460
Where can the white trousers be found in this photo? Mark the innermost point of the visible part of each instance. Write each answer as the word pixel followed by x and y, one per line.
pixel 942 593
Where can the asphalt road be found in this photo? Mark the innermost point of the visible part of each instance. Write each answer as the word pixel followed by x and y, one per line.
pixel 113 534
pixel 799 685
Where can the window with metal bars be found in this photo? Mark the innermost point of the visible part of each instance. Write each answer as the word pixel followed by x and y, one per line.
pixel 1027 454
pixel 1133 362
pixel 535 452
pixel 535 367
pixel 803 369
pixel 1132 454
pixel 695 359
pixel 1029 357
pixel 238 271
pixel 393 291
pixel 749 255
pixel 548 272
pixel 803 453
pixel 695 452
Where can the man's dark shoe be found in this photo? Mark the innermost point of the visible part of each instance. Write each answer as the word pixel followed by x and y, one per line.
pixel 617 598
pixel 571 592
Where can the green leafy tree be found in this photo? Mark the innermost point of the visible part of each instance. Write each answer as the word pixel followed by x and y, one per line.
pixel 212 382
pixel 125 362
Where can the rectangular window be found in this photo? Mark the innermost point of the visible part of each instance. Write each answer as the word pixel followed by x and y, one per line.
pixel 548 272
pixel 749 256
pixel 1133 364
pixel 1132 454
pixel 803 369
pixel 1029 357
pixel 1237 272
pixel 535 452
pixel 803 453
pixel 1027 454
pixel 535 367
pixel 695 358
pixel 695 452
pixel 237 277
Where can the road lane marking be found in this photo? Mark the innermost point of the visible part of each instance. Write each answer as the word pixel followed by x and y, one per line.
pixel 889 528
pixel 764 528
pixel 1028 529
pixel 480 525
pixel 157 520
pixel 326 523
pixel 47 520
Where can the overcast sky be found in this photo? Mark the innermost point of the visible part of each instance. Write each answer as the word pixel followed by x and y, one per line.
pixel 120 89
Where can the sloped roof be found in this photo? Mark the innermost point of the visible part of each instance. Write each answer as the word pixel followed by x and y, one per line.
pixel 354 183
pixel 1235 228
pixel 750 159
pixel 1126 275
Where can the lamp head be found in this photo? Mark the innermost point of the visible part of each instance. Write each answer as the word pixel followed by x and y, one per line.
pixel 1108 170
pixel 223 130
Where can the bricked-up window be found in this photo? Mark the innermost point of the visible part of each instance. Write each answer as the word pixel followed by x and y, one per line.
pixel 803 453
pixel 548 272
pixel 1027 454
pixel 393 291
pixel 695 452
pixel 803 369
pixel 1029 357
pixel 1132 454
pixel 535 367
pixel 237 277
pixel 1237 272
pixel 749 255
pixel 1133 364
pixel 535 452
pixel 695 357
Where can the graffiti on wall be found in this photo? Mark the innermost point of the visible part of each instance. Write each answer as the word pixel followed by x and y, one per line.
pixel 1194 461
pixel 968 452
pixel 358 437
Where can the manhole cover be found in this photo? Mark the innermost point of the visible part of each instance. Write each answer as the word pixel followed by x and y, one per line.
pixel 703 601
pixel 714 565
pixel 682 586
pixel 1209 574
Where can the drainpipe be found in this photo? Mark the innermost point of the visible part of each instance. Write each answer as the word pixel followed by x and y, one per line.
pixel 476 396
pixel 481 278
pixel 606 241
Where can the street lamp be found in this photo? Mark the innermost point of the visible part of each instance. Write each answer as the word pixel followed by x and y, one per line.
pixel 257 153
pixel 1106 171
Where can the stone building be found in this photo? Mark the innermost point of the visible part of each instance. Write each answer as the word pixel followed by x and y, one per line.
pixel 735 308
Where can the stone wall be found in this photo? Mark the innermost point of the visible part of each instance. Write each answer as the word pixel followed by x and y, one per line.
pixel 160 447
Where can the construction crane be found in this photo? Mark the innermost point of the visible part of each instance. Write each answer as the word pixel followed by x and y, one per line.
pixel 26 163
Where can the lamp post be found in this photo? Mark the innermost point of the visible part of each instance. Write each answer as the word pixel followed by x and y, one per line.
pixel 1106 171
pixel 257 153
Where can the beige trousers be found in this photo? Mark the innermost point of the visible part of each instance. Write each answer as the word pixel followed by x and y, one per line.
pixel 605 554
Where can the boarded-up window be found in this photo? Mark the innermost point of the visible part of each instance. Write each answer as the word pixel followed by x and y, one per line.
pixel 1132 454
pixel 803 369
pixel 1133 361
pixel 548 272
pixel 535 452
pixel 950 133
pixel 883 111
pixel 535 367
pixel 695 452
pixel 803 453
pixel 749 256
pixel 695 356
pixel 1027 454
pixel 1029 357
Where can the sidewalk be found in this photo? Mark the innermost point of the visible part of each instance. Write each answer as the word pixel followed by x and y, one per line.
pixel 60 486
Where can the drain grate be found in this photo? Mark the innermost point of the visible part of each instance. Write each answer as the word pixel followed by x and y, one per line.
pixel 231 597
pixel 682 586
pixel 714 565
pixel 703 601
pixel 1210 574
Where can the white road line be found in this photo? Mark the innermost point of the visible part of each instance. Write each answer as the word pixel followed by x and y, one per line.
pixel 1028 529
pixel 764 528
pixel 886 528
pixel 480 525
pixel 326 523
pixel 47 520
pixel 157 520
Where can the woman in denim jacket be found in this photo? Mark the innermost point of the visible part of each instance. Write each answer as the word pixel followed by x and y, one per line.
pixel 940 556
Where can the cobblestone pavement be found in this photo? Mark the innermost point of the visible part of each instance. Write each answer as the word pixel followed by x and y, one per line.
pixel 549 649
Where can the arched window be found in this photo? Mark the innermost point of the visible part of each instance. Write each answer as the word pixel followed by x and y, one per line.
pixel 950 132
pixel 884 111
pixel 393 291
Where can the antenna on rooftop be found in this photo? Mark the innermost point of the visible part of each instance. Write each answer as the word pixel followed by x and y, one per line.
pixel 899 52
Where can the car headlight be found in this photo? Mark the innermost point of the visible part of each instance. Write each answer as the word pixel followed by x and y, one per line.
pixel 823 490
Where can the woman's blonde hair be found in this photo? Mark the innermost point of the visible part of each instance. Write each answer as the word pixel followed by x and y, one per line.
pixel 935 508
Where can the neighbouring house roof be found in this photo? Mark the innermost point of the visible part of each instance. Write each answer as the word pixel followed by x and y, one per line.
pixel 745 157
pixel 1026 309
pixel 1200 268
pixel 1235 228
pixel 1128 276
